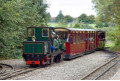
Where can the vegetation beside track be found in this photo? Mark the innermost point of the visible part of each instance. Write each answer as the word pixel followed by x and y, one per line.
pixel 15 16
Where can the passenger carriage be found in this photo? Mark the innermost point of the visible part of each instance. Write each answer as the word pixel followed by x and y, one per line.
pixel 81 41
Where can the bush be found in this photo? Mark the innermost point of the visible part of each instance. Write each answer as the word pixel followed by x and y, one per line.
pixel 82 26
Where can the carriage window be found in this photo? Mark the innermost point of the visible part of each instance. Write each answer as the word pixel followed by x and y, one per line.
pixel 71 38
pixel 31 32
pixel 45 32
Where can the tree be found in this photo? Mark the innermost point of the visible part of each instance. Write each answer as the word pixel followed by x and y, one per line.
pixel 99 24
pixel 68 18
pixel 86 19
pixel 82 18
pixel 91 19
pixel 109 11
pixel 15 16
pixel 59 16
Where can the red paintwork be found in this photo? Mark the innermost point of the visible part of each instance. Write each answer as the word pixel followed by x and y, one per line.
pixel 33 62
pixel 80 47
pixel 43 61
pixel 67 48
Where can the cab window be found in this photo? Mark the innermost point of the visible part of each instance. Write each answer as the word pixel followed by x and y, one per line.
pixel 45 32
pixel 31 32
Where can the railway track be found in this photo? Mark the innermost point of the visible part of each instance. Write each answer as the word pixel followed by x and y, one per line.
pixel 100 71
pixel 96 74
pixel 17 72
pixel 1 69
pixel 6 69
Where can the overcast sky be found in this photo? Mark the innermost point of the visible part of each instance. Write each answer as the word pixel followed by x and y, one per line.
pixel 70 7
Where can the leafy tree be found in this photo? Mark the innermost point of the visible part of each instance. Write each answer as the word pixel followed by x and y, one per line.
pixel 68 18
pixel 86 19
pixel 82 26
pixel 60 16
pixel 15 16
pixel 82 18
pixel 91 19
pixel 109 11
pixel 99 24
pixel 77 25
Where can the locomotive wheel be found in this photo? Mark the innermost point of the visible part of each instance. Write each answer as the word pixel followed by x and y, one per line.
pixel 57 58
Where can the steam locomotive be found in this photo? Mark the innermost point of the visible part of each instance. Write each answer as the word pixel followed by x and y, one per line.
pixel 46 45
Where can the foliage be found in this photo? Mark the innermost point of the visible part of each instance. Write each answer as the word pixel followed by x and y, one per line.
pixel 86 19
pixel 99 24
pixel 109 11
pixel 68 18
pixel 62 23
pixel 82 26
pixel 91 19
pixel 59 17
pixel 15 16
pixel 82 18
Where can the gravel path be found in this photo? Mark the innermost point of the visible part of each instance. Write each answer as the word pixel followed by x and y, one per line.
pixel 66 70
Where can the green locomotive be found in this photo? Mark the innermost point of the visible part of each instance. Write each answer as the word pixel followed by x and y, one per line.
pixel 43 46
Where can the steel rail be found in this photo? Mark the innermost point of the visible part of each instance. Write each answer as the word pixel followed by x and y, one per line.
pixel 106 70
pixel 1 72
pixel 98 68
pixel 18 72
pixel 7 75
pixel 103 66
pixel 8 66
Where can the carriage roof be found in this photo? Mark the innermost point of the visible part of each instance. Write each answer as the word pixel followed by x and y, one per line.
pixel 73 29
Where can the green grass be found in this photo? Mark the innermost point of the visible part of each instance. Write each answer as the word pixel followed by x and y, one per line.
pixel 53 24
pixel 92 25
pixel 68 25
pixel 110 44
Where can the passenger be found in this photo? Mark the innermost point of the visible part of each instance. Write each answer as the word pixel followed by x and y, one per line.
pixel 67 39
pixel 33 38
pixel 54 42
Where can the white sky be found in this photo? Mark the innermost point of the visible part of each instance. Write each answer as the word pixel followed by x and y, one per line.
pixel 70 7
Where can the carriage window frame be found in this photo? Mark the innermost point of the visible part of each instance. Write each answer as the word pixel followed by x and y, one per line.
pixel 74 39
pixel 71 38
pixel 47 32
pixel 29 32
